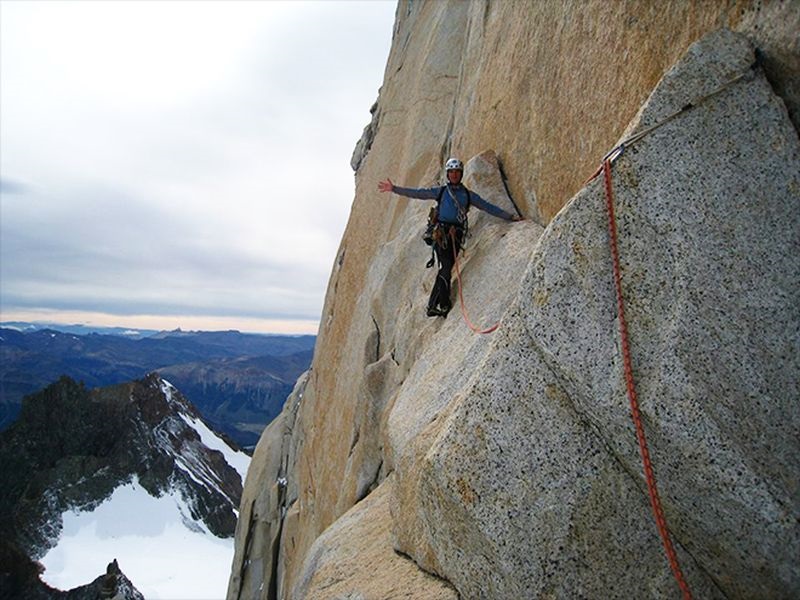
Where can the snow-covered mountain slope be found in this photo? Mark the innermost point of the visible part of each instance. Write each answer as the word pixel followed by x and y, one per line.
pixel 200 455
pixel 128 472
pixel 166 553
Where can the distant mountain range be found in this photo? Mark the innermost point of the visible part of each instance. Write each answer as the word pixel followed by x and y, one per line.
pixel 79 329
pixel 238 381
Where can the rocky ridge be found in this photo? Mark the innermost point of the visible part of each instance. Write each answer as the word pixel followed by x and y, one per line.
pixel 509 463
pixel 19 578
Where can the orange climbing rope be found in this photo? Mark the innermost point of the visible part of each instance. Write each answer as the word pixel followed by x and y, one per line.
pixel 469 323
pixel 655 502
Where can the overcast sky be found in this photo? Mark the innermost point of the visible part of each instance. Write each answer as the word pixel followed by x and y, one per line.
pixel 183 164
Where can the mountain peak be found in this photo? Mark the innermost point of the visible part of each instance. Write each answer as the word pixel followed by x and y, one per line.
pixel 72 448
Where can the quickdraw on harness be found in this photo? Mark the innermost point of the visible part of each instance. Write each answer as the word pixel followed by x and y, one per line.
pixel 605 169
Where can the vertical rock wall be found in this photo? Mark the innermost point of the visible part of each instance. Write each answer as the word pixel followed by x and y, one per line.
pixel 550 85
pixel 508 462
pixel 531 485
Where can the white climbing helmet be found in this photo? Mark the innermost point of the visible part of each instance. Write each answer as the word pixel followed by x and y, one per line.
pixel 453 164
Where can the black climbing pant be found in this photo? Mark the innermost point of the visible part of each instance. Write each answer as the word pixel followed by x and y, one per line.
pixel 440 294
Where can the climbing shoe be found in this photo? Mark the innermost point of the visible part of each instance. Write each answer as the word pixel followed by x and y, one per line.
pixel 437 312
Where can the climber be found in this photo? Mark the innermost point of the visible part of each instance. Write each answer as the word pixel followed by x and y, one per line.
pixel 450 217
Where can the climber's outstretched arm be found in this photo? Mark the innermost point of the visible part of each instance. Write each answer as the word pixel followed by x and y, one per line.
pixel 420 193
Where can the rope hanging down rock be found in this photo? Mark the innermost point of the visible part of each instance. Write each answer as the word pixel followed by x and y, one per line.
pixel 469 323
pixel 605 168
pixel 652 488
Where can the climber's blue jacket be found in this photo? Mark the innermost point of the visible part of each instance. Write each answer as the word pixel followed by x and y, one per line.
pixel 455 201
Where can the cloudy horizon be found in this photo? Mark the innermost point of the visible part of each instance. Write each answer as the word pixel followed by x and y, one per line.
pixel 180 164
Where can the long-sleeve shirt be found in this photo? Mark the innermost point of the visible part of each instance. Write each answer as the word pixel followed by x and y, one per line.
pixel 453 207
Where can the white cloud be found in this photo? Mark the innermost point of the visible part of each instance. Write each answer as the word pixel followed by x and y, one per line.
pixel 200 148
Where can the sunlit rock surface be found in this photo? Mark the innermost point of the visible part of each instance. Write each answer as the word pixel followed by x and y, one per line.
pixel 512 461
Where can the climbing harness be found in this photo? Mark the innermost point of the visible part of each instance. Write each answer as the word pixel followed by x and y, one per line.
pixel 652 488
pixel 461 290
pixel 435 230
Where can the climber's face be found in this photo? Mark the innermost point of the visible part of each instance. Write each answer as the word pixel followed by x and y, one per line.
pixel 454 176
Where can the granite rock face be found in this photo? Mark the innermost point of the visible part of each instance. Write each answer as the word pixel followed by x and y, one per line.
pixel 548 85
pixel 508 463
pixel 265 506
pixel 354 558
pixel 535 470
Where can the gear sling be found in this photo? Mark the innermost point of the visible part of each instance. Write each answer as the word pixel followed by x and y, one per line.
pixel 438 236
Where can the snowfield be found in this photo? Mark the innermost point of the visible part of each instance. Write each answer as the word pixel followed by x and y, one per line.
pixel 163 551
